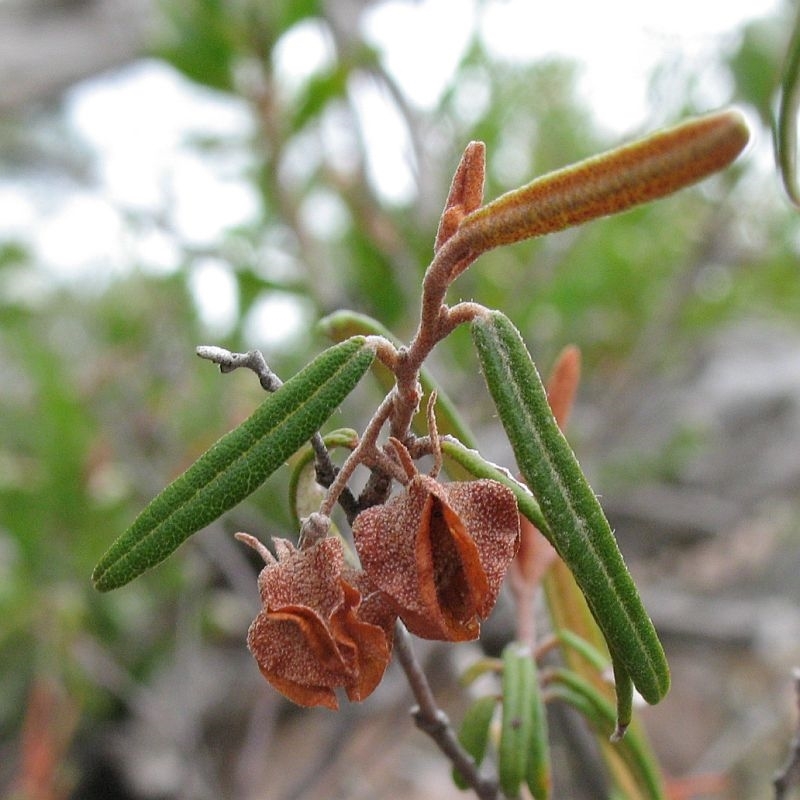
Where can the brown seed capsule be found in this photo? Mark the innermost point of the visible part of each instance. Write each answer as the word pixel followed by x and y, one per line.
pixel 439 552
pixel 322 625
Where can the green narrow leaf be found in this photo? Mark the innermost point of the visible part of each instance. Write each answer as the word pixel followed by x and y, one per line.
pixel 622 681
pixel 786 131
pixel 480 667
pixel 519 679
pixel 571 688
pixel 538 775
pixel 237 464
pixel 474 734
pixel 576 524
pixel 587 650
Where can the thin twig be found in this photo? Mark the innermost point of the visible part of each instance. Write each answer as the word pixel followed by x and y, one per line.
pixel 254 360
pixel 366 444
pixel 376 489
pixel 433 721
pixel 789 775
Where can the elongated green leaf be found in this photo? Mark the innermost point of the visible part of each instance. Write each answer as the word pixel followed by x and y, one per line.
pixel 576 524
pixel 523 750
pixel 474 734
pixel 622 681
pixel 600 713
pixel 478 668
pixel 237 464
pixel 519 679
pixel 586 649
pixel 786 129
pixel 539 774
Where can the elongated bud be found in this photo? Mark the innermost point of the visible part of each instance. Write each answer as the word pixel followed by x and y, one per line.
pixel 609 183
pixel 562 383
pixel 466 191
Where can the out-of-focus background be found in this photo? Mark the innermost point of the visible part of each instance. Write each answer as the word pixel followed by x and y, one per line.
pixel 189 172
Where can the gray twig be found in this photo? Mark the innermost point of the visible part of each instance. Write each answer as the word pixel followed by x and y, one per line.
pixel 433 721
pixel 253 360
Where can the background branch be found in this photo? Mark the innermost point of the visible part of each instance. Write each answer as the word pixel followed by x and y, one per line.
pixel 789 774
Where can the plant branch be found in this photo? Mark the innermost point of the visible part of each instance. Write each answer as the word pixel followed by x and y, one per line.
pixel 253 360
pixel 434 324
pixel 789 774
pixel 433 721
pixel 606 184
pixel 366 448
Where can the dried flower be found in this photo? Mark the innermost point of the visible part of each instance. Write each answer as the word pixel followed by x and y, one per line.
pixel 439 552
pixel 322 625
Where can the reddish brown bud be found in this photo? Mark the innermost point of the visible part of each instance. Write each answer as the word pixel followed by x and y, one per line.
pixel 439 552
pixel 322 625
pixel 562 385
pixel 466 191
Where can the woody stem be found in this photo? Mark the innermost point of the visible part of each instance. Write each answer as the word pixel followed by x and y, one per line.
pixel 433 721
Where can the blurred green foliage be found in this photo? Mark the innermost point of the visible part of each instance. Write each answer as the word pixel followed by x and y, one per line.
pixel 102 401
